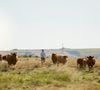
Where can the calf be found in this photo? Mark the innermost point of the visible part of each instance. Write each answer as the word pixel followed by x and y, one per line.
pixel 81 62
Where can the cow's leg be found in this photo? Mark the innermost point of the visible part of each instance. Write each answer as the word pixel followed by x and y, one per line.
pixel 89 68
pixel 81 66
pixel 57 63
pixel 77 65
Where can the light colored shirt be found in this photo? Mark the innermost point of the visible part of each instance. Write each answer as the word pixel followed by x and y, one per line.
pixel 43 55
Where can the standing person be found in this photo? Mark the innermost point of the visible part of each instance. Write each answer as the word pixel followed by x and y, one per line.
pixel 43 56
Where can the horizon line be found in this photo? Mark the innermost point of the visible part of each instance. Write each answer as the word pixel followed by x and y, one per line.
pixel 44 48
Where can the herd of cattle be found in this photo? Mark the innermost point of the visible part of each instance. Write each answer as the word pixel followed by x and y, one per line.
pixel 89 61
pixel 81 62
pixel 56 59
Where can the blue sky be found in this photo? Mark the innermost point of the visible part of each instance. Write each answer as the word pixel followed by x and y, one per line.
pixel 30 24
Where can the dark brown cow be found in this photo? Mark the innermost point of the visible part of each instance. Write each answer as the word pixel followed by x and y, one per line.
pixel 90 62
pixel 0 57
pixel 56 59
pixel 81 62
pixel 11 59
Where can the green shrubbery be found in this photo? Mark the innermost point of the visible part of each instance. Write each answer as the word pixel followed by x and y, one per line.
pixel 15 79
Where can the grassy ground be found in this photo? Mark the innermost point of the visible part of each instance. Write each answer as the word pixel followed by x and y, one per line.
pixel 29 74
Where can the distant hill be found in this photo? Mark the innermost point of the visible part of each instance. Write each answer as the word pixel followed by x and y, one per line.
pixel 86 52
pixel 65 51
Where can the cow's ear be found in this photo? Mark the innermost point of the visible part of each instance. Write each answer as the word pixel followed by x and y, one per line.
pixel 66 56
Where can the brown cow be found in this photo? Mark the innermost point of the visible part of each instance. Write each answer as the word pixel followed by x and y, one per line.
pixel 90 62
pixel 81 62
pixel 0 57
pixel 11 59
pixel 56 59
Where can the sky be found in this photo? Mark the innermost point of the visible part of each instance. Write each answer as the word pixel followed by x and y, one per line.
pixel 37 24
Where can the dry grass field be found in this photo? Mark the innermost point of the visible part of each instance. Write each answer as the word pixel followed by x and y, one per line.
pixel 29 74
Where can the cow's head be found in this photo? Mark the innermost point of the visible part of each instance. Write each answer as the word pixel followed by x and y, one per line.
pixel 65 57
pixel 53 54
pixel 13 54
pixel 90 57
